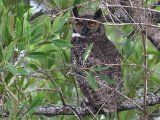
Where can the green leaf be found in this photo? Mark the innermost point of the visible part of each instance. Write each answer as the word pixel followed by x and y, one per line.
pixel 107 79
pixel 51 3
pixel 92 81
pixel 66 57
pixel 8 79
pixel 62 43
pixel 12 69
pixel 8 52
pixel 1 15
pixel 1 89
pixel 1 53
pixel 36 34
pixel 128 48
pixel 100 68
pixel 19 27
pixel 60 21
pixel 22 71
pixel 123 115
pixel 33 66
pixel 6 35
pixel 35 103
pixel 36 55
pixel 87 52
pixel 6 3
pixel 15 71
pixel 33 106
pixel 76 2
pixel 14 101
pixel 155 80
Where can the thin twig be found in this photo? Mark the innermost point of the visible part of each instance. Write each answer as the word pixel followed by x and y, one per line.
pixel 145 76
pixel 61 95
pixel 156 91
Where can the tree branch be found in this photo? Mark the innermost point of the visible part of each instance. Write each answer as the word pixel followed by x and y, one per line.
pixel 54 110
pixel 134 12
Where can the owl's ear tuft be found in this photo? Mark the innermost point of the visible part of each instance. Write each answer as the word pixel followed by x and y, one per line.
pixel 97 14
pixel 75 11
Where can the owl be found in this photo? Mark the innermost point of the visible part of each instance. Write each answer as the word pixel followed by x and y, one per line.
pixel 87 30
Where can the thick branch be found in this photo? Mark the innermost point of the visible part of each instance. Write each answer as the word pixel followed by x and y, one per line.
pixel 52 110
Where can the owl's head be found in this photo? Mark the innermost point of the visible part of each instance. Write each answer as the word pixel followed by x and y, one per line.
pixel 86 25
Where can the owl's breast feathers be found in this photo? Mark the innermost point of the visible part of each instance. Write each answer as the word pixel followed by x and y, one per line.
pixel 103 53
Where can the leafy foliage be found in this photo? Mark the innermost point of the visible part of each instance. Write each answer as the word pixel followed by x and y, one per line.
pixel 35 60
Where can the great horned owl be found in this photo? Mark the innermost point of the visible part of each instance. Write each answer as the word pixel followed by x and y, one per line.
pixel 104 53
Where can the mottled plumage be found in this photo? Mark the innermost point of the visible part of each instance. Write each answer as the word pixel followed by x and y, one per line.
pixel 103 53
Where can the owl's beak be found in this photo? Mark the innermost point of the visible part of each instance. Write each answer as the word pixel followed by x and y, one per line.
pixel 85 31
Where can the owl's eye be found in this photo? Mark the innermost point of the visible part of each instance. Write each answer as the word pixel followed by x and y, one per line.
pixel 79 24
pixel 91 23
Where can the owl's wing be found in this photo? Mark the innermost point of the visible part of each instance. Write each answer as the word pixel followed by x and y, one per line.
pixel 103 53
pixel 106 55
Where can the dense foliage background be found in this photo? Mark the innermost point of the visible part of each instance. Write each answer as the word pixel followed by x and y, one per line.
pixel 35 60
